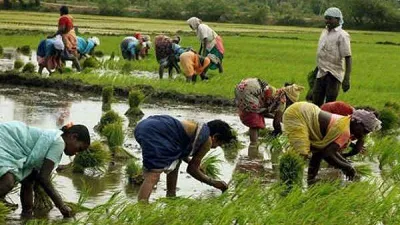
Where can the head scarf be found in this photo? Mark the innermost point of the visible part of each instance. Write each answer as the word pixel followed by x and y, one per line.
pixel 146 38
pixel 194 22
pixel 293 92
pixel 335 12
pixel 368 119
pixel 95 40
pixel 58 43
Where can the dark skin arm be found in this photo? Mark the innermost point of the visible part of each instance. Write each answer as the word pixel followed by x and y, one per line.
pixel 355 148
pixel 277 122
pixel 346 80
pixel 331 155
pixel 44 180
pixel 194 168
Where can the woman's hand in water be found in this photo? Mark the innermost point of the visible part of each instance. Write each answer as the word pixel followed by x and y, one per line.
pixel 221 185
pixel 66 211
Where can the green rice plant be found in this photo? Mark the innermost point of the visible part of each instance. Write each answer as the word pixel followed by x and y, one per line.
pixel 387 151
pixel 363 170
pixel 393 105
pixel 107 97
pixel 390 119
pixel 91 62
pixel 291 167
pixel 3 212
pixel 83 196
pixel 18 64
pixel 26 50
pixel 29 68
pixel 134 99
pixel 96 156
pixel 210 165
pixel 107 118
pixel 42 201
pixel 134 171
pixel 114 133
pixel 99 54
pixel 127 67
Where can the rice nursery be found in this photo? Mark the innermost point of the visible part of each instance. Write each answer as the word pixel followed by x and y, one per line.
pixel 111 95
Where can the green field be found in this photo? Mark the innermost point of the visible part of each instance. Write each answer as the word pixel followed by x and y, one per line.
pixel 274 53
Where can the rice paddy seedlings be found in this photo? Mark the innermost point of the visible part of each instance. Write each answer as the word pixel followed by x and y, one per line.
pixel 99 54
pixel 210 165
pixel 91 62
pixel 107 118
pixel 134 171
pixel 107 97
pixel 3 212
pixel 29 68
pixel 390 119
pixel 291 168
pixel 26 50
pixel 42 201
pixel 127 68
pixel 134 99
pixel 231 150
pixel 114 134
pixel 18 64
pixel 96 156
pixel 393 105
pixel 363 170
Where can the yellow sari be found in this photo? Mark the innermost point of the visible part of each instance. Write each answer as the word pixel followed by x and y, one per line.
pixel 301 125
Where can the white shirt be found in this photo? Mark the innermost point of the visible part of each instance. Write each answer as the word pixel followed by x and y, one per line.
pixel 204 31
pixel 333 47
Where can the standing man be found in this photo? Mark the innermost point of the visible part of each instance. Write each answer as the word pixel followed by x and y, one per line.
pixel 333 51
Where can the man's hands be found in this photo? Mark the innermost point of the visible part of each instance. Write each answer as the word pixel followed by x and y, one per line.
pixel 346 85
pixel 221 185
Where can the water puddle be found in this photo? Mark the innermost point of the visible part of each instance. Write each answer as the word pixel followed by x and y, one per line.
pixel 52 109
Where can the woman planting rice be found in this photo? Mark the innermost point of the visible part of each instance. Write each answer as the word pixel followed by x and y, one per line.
pixel 210 42
pixel 130 48
pixel 194 64
pixel 49 54
pixel 29 155
pixel 324 135
pixel 256 99
pixel 86 47
pixel 166 141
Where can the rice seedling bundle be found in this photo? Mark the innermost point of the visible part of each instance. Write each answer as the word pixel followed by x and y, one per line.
pixel 210 165
pixel 42 201
pixel 29 68
pixel 108 118
pixel 134 99
pixel 291 167
pixel 18 64
pixel 134 171
pixel 96 156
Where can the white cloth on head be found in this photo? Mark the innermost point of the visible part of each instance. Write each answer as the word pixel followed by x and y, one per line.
pixel 95 40
pixel 58 43
pixel 335 12
pixel 194 22
pixel 368 119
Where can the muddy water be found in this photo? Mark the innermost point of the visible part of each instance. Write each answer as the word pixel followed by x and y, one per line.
pixel 52 109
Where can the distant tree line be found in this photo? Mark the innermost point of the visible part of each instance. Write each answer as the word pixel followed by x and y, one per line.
pixel 365 14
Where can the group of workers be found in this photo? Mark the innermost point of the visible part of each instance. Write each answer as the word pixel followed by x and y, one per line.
pixel 64 45
pixel 319 131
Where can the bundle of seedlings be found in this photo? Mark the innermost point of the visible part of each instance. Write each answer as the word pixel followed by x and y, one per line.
pixel 29 68
pixel 115 136
pixel 291 167
pixel 363 170
pixel 98 53
pixel 134 99
pixel 96 157
pixel 42 201
pixel 18 64
pixel 26 50
pixel 210 165
pixel 108 118
pixel 390 119
pixel 127 67
pixel 107 97
pixel 91 62
pixel 134 171
pixel 311 77
pixel 83 196
pixel 3 212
